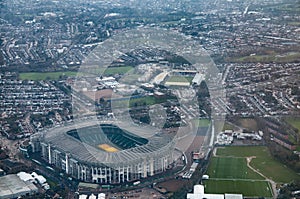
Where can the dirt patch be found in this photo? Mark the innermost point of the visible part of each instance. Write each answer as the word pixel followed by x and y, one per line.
pixel 97 95
pixel 248 123
pixel 172 185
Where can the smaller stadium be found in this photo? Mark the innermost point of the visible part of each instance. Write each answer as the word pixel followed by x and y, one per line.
pixel 105 153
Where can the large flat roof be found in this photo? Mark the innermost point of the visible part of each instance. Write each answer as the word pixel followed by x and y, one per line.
pixel 12 186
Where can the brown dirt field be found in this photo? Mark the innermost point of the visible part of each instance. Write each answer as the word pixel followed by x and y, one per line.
pixel 172 185
pixel 249 123
pixel 96 95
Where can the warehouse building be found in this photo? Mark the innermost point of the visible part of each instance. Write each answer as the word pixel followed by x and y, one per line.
pixel 11 186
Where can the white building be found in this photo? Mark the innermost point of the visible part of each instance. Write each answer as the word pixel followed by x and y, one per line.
pixel 101 196
pixel 83 196
pixel 200 194
pixel 198 78
pixel 107 81
pixel 92 196
pixel 12 186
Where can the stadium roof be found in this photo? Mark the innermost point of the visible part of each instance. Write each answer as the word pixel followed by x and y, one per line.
pixel 59 139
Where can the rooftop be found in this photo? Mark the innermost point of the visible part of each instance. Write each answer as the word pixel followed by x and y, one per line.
pixel 12 186
pixel 84 151
pixel 199 194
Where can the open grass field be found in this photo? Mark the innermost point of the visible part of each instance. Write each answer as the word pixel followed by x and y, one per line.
pixel 284 58
pixel 129 78
pixel 56 75
pixel 248 123
pixel 146 100
pixel 274 169
pixel 240 151
pixel 46 75
pixel 295 122
pixel 179 79
pixel 229 173
pixel 231 168
pixel 202 122
pixel 228 126
pixel 117 70
pixel 248 188
pixel 262 162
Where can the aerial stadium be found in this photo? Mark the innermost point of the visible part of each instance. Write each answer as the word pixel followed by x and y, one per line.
pixel 104 152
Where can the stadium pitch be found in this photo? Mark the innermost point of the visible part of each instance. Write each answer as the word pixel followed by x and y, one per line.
pixel 108 148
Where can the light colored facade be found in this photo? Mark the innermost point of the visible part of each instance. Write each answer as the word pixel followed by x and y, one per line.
pixel 200 194
pixel 108 173
pixel 89 164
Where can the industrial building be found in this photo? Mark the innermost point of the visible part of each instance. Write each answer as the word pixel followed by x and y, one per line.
pixel 11 186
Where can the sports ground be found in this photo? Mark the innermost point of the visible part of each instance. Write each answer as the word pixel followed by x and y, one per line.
pixel 36 76
pixel 246 170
